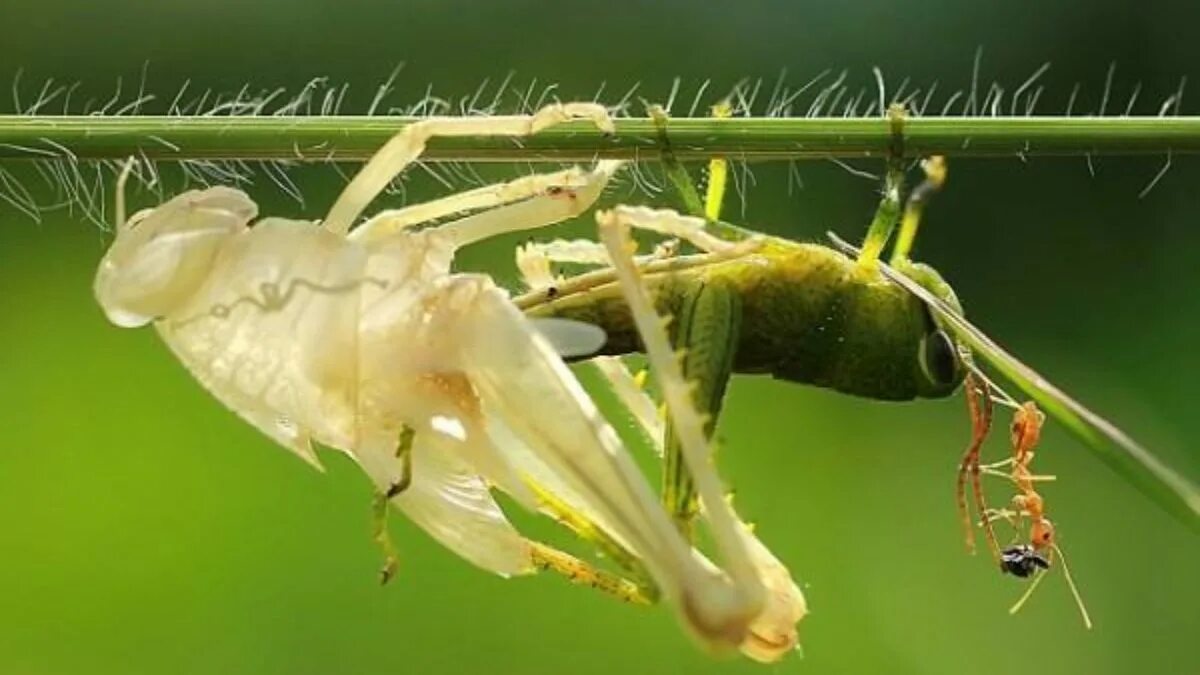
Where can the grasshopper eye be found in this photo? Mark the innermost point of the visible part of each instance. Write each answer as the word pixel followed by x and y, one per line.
pixel 937 357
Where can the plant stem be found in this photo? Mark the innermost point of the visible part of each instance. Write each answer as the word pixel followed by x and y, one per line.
pixel 354 138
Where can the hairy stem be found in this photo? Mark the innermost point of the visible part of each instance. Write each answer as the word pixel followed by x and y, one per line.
pixel 355 138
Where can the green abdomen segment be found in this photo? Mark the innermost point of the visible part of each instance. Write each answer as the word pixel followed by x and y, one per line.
pixel 809 315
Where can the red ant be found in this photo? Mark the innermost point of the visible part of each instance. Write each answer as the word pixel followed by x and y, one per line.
pixel 1037 553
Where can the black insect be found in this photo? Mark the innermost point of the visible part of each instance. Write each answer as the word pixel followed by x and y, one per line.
pixel 1022 561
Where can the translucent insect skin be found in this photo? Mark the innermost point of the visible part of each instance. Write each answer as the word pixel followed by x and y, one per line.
pixel 284 323
pixel 359 340
pixel 809 314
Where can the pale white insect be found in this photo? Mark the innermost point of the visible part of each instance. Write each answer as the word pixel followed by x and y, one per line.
pixel 365 341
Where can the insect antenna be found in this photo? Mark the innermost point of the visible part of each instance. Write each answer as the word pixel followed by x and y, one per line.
pixel 1029 593
pixel 1087 620
pixel 1083 612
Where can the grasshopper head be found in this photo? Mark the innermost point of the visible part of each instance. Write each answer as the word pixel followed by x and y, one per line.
pixel 161 256
pixel 939 365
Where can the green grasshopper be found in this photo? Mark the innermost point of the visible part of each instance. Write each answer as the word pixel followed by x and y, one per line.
pixel 838 318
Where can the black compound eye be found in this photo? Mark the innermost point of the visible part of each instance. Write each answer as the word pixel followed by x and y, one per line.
pixel 938 360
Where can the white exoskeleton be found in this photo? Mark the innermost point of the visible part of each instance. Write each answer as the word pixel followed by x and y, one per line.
pixel 363 340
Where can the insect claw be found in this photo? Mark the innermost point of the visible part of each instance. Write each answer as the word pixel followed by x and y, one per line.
pixel 388 571
pixel 397 488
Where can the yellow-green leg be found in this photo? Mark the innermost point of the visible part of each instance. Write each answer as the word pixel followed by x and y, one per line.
pixel 380 507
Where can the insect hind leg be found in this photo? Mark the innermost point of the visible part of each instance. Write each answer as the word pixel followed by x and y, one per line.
pixel 739 605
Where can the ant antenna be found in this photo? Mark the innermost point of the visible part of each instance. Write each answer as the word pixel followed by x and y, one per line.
pixel 1087 620
pixel 1028 593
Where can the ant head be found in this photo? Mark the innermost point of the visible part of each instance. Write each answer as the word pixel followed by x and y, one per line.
pixel 162 255
pixel 1041 534
pixel 1022 561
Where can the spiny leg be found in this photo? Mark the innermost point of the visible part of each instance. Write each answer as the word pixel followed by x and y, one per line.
pixel 747 596
pixel 406 146
pixel 706 331
pixel 561 441
pixel 707 328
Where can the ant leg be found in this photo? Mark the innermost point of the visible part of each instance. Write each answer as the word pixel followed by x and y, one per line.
pixel 970 459
pixel 406 146
pixel 979 404
pixel 1007 515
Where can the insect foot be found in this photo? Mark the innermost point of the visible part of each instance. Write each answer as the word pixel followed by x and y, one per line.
pixel 772 634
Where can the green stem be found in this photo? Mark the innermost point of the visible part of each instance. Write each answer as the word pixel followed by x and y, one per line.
pixel 355 138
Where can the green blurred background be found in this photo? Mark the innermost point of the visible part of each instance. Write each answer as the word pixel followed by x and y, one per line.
pixel 144 529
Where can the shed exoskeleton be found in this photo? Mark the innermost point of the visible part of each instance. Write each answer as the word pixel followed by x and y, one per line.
pixel 363 340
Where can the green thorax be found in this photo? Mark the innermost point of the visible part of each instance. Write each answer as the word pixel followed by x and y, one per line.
pixel 808 314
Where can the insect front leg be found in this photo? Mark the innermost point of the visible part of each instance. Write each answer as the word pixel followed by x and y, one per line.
pixel 406 146
pixel 583 186
pixel 538 210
